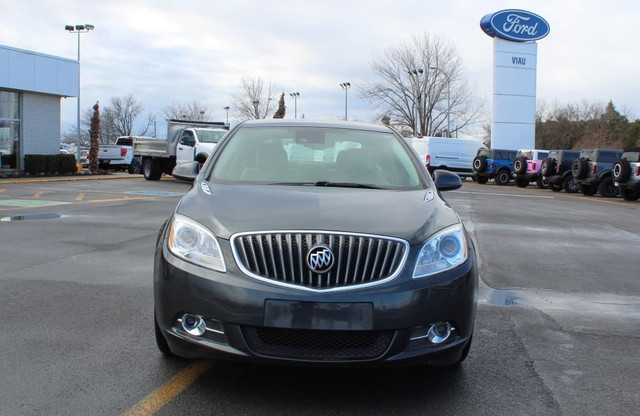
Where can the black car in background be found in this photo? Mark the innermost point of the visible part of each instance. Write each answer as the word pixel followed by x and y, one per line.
pixel 556 169
pixel 593 171
pixel 319 243
pixel 626 174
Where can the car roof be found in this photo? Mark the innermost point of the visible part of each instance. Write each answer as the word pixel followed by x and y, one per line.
pixel 352 125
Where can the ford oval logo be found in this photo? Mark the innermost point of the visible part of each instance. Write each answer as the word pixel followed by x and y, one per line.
pixel 515 25
pixel 320 259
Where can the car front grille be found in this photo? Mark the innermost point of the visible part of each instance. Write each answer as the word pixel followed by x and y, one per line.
pixel 317 345
pixel 281 258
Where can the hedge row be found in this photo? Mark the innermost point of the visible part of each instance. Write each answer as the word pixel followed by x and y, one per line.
pixel 50 164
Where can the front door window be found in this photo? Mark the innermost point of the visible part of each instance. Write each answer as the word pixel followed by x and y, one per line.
pixel 9 129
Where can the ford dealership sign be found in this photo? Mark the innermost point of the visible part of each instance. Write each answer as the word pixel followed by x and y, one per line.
pixel 515 25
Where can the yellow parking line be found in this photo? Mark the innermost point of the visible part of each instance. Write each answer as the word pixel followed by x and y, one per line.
pixel 80 196
pixel 159 398
pixel 38 195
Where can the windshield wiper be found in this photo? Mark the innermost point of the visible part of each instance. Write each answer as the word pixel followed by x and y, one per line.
pixel 346 185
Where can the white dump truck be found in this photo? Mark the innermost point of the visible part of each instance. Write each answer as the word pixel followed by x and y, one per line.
pixel 186 141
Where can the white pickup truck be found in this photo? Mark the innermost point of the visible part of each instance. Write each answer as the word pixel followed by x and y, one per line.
pixel 186 141
pixel 119 156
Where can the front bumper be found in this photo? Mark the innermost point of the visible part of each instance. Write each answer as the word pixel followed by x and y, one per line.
pixel 233 306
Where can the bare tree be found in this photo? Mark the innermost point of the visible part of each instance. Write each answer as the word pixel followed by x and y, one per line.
pixel 253 101
pixel 121 114
pixel 421 87
pixel 193 111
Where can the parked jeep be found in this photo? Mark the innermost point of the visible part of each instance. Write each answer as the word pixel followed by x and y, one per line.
pixel 526 167
pixel 626 174
pixel 494 163
pixel 556 169
pixel 593 171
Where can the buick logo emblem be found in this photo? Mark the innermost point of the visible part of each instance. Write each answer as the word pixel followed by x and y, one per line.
pixel 320 259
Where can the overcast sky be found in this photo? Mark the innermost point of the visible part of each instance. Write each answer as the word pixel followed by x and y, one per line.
pixel 166 52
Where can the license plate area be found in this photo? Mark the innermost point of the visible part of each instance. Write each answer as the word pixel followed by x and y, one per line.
pixel 318 315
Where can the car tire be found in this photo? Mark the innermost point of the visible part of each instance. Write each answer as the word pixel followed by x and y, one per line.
pixel 629 194
pixel 522 182
pixel 480 163
pixel 151 170
pixel 520 165
pixel 570 185
pixel 134 167
pixel 579 168
pixel 607 188
pixel 480 179
pixel 621 170
pixel 502 177
pixel 587 190
pixel 542 182
pixel 161 341
pixel 548 166
pixel 554 187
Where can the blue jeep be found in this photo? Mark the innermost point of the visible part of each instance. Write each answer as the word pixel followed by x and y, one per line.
pixel 494 164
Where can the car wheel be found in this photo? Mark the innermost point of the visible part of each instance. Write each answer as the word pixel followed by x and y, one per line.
pixel 151 170
pixel 542 182
pixel 503 176
pixel 134 167
pixel 588 190
pixel 522 182
pixel 161 341
pixel 520 165
pixel 621 170
pixel 607 188
pixel 480 179
pixel 480 163
pixel 579 168
pixel 548 166
pixel 554 187
pixel 629 194
pixel 570 185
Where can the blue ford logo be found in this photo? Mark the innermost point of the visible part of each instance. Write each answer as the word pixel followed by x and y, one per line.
pixel 320 259
pixel 515 25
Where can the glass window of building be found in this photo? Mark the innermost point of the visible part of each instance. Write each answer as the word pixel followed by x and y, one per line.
pixel 9 129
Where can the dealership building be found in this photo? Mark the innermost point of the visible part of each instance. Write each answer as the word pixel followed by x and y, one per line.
pixel 31 86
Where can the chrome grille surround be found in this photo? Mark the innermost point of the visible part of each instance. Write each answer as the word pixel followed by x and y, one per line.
pixel 279 257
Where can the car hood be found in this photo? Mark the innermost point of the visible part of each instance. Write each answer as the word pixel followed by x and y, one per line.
pixel 231 209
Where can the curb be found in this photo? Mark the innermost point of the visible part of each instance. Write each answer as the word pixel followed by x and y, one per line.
pixel 67 179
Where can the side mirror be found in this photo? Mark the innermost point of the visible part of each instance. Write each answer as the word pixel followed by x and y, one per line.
pixel 446 181
pixel 187 171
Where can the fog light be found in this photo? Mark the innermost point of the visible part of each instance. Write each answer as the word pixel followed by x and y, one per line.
pixel 193 324
pixel 439 333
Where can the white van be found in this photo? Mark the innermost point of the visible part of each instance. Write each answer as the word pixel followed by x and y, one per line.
pixel 455 155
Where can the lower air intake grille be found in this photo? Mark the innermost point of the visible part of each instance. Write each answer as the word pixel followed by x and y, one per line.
pixel 317 345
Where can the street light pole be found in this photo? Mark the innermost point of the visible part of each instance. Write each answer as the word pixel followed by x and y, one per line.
pixel 345 86
pixel 255 107
pixel 227 110
pixel 295 96
pixel 448 78
pixel 78 29
pixel 416 73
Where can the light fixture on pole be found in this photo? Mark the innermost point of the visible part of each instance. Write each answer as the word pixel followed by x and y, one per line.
pixel 448 78
pixel 78 29
pixel 227 110
pixel 295 96
pixel 417 73
pixel 345 86
pixel 256 103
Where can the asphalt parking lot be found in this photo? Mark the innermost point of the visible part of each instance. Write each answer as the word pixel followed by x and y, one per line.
pixel 557 330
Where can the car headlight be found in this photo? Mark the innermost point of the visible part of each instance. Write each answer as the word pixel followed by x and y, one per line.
pixel 442 251
pixel 194 243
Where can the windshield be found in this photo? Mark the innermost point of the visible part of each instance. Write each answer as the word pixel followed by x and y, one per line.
pixel 525 153
pixel 316 156
pixel 210 136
